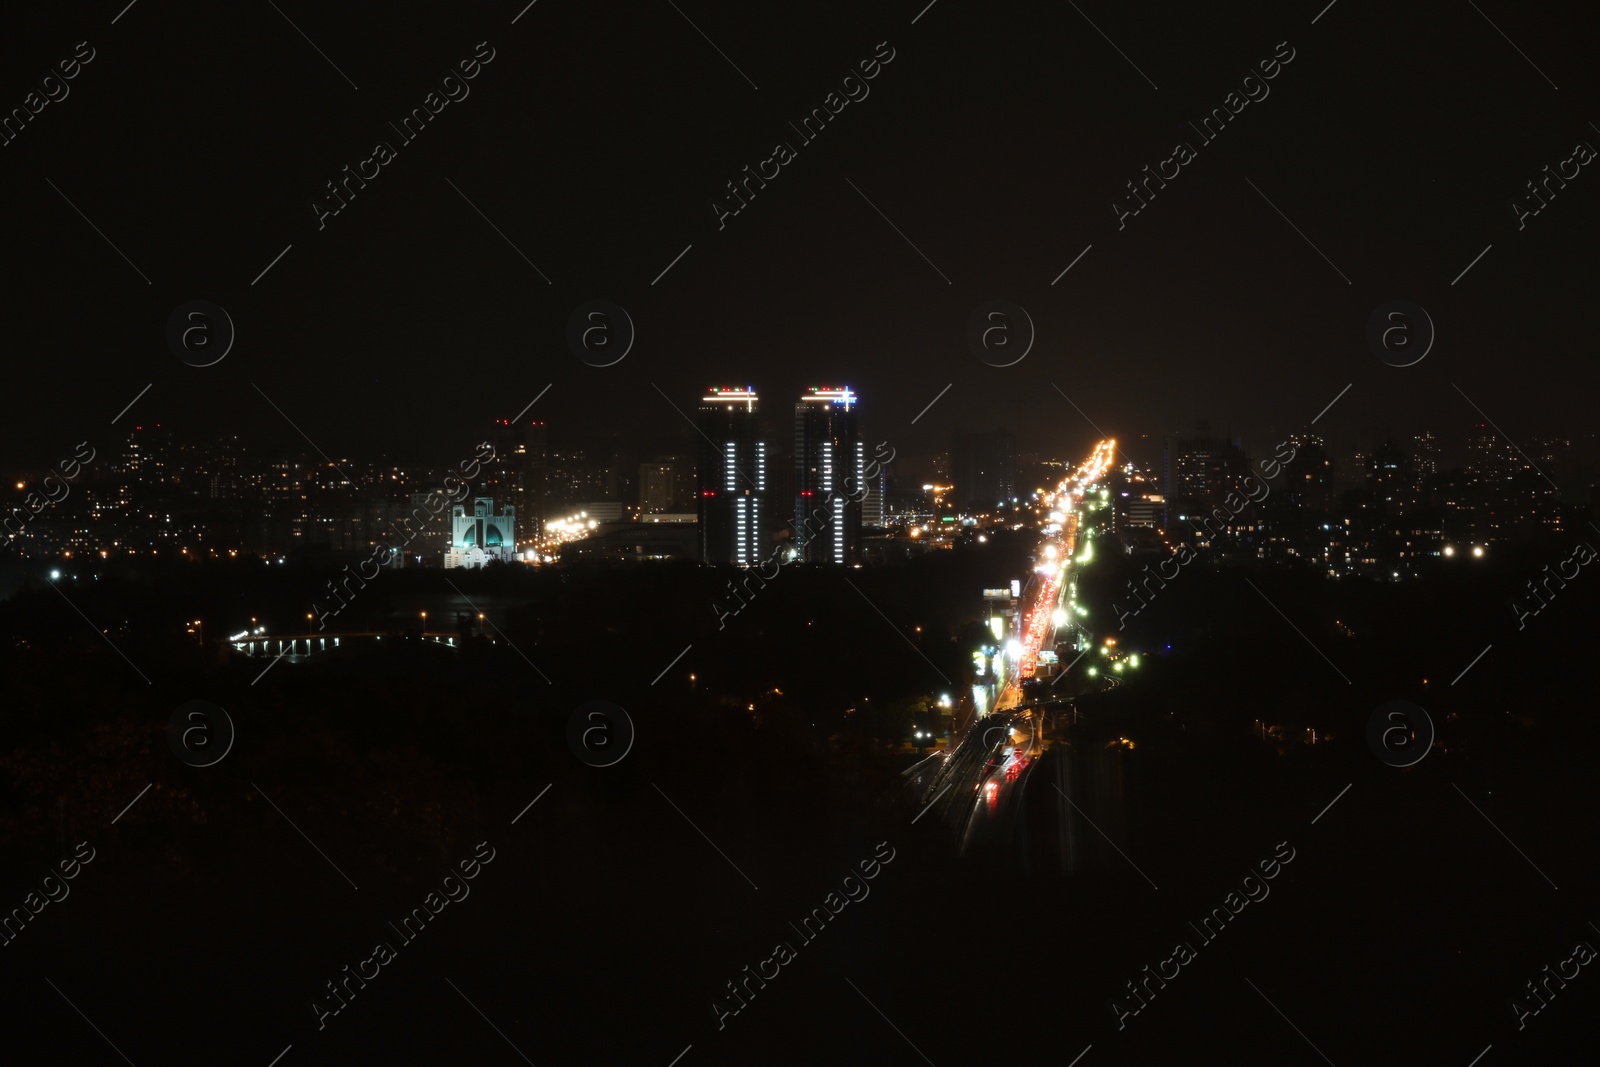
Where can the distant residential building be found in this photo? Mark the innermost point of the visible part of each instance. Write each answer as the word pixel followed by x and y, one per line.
pixel 874 505
pixel 284 510
pixel 1187 463
pixel 1512 497
pixel 666 484
pixel 1137 508
pixel 519 474
pixel 1427 456
pixel 1389 477
pixel 983 468
pixel 1198 473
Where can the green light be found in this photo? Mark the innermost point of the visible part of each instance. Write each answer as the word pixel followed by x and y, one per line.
pixel 1117 666
pixel 1093 672
pixel 1133 661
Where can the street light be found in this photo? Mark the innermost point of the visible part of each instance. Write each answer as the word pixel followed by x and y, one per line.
pixel 308 622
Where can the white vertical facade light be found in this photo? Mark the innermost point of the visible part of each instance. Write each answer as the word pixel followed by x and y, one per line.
pixel 861 482
pixel 754 539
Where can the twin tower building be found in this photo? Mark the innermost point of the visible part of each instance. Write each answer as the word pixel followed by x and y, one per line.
pixel 739 526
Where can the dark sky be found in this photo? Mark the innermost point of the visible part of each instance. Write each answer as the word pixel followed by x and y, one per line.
pixel 996 140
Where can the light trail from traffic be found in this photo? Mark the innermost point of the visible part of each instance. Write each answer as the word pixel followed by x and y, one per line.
pixel 1056 553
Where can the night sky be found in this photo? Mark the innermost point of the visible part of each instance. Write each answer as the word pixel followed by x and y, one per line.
pixel 595 141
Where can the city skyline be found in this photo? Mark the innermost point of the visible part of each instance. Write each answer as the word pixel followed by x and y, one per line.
pixel 159 489
pixel 550 507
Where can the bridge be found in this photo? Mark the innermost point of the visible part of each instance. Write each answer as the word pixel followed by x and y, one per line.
pixel 306 644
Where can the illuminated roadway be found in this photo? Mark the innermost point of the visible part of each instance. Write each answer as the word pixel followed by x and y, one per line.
pixel 980 786
pixel 1044 594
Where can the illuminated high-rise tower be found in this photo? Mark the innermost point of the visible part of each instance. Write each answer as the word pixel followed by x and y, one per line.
pixel 829 476
pixel 732 478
